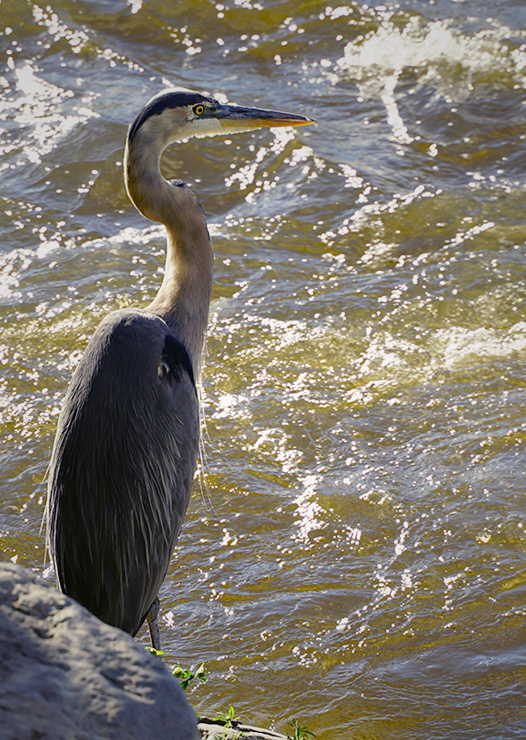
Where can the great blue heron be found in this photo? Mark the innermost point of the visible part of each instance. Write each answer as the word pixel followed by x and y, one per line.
pixel 127 441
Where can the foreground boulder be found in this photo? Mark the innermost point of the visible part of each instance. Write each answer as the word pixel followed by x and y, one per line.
pixel 65 675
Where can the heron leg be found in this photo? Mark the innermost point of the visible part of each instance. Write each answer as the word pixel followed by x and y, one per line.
pixel 153 624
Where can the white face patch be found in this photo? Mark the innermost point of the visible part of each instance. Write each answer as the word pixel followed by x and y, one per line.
pixel 205 127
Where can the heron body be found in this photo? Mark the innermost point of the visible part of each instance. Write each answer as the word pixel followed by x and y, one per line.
pixel 127 441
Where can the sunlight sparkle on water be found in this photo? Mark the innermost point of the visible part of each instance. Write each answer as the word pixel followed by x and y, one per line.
pixel 36 110
pixel 308 509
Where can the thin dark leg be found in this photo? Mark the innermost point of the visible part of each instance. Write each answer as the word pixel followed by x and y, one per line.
pixel 153 624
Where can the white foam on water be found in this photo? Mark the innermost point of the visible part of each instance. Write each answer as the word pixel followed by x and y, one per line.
pixel 462 346
pixel 389 50
pixel 450 61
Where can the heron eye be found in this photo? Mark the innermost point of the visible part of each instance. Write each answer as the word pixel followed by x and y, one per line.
pixel 199 110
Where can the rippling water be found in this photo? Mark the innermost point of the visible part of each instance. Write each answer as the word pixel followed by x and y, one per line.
pixel 354 553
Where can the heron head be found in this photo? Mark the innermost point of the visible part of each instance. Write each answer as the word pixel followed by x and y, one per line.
pixel 178 114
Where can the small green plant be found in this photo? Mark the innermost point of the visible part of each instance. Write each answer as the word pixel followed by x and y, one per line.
pixel 228 718
pixel 153 651
pixel 300 733
pixel 185 675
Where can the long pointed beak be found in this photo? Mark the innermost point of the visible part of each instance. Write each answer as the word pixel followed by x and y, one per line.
pixel 237 118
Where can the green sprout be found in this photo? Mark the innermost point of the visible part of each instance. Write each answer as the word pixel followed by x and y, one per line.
pixel 185 675
pixel 153 651
pixel 300 733
pixel 228 718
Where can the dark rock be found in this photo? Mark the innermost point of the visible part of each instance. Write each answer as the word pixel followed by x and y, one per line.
pixel 65 675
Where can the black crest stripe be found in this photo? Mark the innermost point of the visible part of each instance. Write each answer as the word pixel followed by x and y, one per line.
pixel 156 106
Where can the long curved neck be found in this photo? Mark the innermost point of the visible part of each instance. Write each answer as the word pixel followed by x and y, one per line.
pixel 184 297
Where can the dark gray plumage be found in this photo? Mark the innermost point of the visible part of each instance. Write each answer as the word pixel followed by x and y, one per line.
pixel 100 457
pixel 127 441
